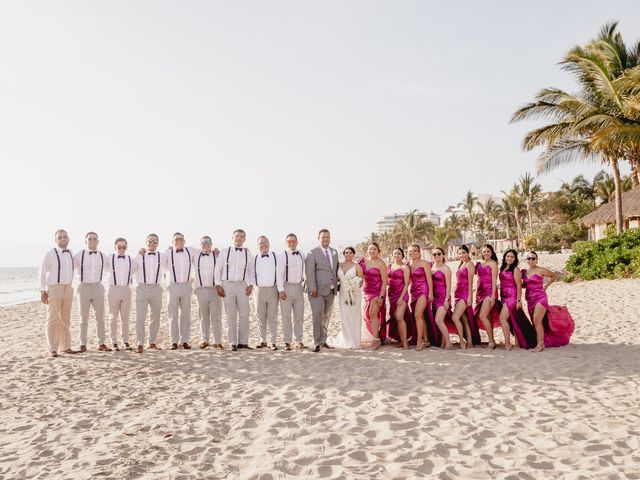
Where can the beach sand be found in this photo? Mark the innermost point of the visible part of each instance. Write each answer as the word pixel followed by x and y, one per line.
pixel 570 412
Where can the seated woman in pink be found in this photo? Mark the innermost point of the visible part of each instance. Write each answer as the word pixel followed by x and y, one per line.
pixel 512 316
pixel 375 293
pixel 399 315
pixel 554 325
pixel 463 317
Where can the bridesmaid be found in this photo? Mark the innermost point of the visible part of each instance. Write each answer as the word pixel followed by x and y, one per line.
pixel 442 299
pixel 487 291
pixel 553 325
pixel 462 316
pixel 375 292
pixel 512 317
pixel 420 291
pixel 399 317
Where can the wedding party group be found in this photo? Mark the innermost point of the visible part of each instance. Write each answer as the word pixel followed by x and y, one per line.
pixel 420 310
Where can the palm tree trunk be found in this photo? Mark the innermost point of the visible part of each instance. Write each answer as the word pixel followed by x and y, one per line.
pixel 634 160
pixel 618 193
pixel 530 218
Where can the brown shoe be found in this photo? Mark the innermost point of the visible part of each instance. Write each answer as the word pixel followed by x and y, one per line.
pixel 103 348
pixel 299 346
pixel 53 354
pixel 219 346
pixel 262 345
pixel 140 349
pixel 115 347
pixel 127 347
pixel 186 346
pixel 174 346
pixel 204 345
pixel 68 350
pixel 273 347
pixel 83 349
pixel 327 346
pixel 287 347
pixel 153 346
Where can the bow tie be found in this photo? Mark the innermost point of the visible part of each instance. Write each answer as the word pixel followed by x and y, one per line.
pixel 91 253
pixel 65 251
pixel 239 249
pixel 265 255
pixel 295 252
pixel 179 250
pixel 205 254
pixel 120 256
pixel 151 253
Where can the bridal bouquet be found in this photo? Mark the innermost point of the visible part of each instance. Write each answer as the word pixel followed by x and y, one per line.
pixel 350 287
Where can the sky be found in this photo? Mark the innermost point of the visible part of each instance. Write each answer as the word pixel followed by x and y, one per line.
pixel 282 116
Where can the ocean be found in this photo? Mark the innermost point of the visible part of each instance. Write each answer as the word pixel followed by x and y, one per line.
pixel 18 285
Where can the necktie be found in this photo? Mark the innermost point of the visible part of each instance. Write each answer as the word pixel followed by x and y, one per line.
pixel 295 252
pixel 179 250
pixel 326 254
pixel 151 253
pixel 265 255
pixel 238 249
pixel 91 253
pixel 120 256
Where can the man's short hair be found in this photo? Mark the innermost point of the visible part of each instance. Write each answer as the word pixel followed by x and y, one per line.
pixel 292 235
pixel 153 235
pixel 120 239
pixel 178 233
pixel 90 233
pixel 239 230
pixel 60 230
pixel 324 230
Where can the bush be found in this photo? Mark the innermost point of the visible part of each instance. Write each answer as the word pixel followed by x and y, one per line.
pixel 553 238
pixel 617 256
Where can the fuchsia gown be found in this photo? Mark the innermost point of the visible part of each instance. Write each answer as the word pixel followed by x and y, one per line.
pixel 557 322
pixel 439 297
pixel 396 284
pixel 461 293
pixel 419 288
pixel 520 325
pixel 371 289
pixel 484 291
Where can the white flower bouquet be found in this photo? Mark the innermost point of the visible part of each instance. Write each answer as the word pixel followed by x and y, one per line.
pixel 350 286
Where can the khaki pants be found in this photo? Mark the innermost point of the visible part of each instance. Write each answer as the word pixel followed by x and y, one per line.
pixel 179 309
pixel 59 317
pixel 236 306
pixel 119 299
pixel 148 296
pixel 91 295
pixel 293 303
pixel 210 313
pixel 267 300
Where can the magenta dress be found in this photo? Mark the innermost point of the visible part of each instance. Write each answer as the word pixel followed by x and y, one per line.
pixel 439 298
pixel 419 288
pixel 557 322
pixel 396 284
pixel 371 289
pixel 484 291
pixel 461 293
pixel 519 324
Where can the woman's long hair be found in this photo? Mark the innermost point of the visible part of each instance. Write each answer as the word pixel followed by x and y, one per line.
pixel 507 267
pixel 494 257
pixel 466 249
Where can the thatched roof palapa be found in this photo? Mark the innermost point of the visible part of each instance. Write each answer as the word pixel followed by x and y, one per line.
pixel 607 212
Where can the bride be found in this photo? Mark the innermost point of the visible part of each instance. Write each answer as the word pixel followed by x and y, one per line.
pixel 353 331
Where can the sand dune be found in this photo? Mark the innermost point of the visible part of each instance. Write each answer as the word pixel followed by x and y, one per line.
pixel 565 413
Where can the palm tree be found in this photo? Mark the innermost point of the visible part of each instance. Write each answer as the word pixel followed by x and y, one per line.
pixel 601 121
pixel 579 186
pixel 468 205
pixel 491 214
pixel 412 227
pixel 517 207
pixel 531 193
pixel 442 236
pixel 505 215
pixel 454 223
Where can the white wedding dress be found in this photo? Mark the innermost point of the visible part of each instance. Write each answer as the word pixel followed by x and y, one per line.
pixel 353 331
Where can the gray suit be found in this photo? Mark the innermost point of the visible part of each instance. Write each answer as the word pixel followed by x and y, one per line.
pixel 323 277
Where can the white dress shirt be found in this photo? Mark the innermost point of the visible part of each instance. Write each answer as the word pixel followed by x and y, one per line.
pixel 265 270
pixel 234 265
pixel 290 268
pixel 204 268
pixel 121 269
pixel 150 267
pixel 180 264
pixel 90 265
pixel 53 272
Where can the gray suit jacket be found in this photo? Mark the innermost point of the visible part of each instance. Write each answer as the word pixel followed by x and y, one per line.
pixel 319 272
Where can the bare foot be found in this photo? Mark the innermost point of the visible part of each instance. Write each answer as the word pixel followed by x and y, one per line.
pixel 419 346
pixel 376 344
pixel 491 345
pixel 448 346
pixel 508 346
pixel 405 346
pixel 539 347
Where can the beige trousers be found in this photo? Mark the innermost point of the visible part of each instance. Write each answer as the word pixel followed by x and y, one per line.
pixel 59 317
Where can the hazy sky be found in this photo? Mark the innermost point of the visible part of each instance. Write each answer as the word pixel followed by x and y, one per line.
pixel 137 116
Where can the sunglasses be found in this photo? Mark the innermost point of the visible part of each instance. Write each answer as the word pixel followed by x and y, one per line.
pixel 178 239
pixel 437 254
pixel 152 241
pixel 92 239
pixel 531 258
pixel 121 247
pixel 206 242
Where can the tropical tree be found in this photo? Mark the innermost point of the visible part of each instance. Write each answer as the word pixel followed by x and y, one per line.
pixel 531 193
pixel 442 236
pixel 470 216
pixel 491 214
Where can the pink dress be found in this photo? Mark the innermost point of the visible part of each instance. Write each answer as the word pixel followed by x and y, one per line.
pixel 396 284
pixel 419 288
pixel 483 291
pixel 439 298
pixel 461 293
pixel 519 324
pixel 557 322
pixel 371 288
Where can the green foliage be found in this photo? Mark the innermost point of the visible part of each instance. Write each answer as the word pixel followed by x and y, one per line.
pixel 531 243
pixel 617 256
pixel 610 231
pixel 553 238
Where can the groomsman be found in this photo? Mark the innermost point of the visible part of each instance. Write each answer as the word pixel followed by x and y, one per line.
pixel 265 279
pixel 179 269
pixel 56 292
pixel 209 303
pixel 121 268
pixel 90 264
pixel 234 270
pixel 150 265
pixel 321 266
pixel 290 280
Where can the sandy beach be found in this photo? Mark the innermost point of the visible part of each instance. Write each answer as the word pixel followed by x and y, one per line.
pixel 568 413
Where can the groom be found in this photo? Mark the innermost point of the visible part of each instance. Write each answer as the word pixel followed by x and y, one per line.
pixel 321 267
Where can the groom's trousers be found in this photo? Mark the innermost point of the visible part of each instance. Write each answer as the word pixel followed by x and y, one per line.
pixel 321 309
pixel 236 306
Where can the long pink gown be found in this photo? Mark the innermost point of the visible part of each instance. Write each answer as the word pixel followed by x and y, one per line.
pixel 419 288
pixel 557 322
pixel 461 293
pixel 371 289
pixel 519 324
pixel 483 291
pixel 396 284
pixel 439 298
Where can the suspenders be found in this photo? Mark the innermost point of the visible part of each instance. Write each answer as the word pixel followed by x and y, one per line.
pixel 173 267
pixel 214 269
pixel 275 265
pixel 82 266
pixel 144 270
pixel 286 268
pixel 55 250
pixel 246 262
pixel 113 264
